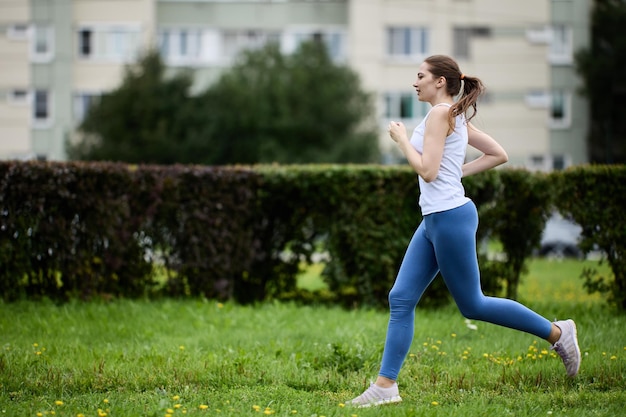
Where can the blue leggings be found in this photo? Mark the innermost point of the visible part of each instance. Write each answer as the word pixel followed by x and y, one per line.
pixel 446 242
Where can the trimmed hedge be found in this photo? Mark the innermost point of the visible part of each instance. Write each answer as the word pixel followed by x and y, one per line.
pixel 87 229
pixel 113 230
pixel 595 198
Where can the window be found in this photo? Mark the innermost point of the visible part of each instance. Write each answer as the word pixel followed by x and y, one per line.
pixel 18 97
pixel 561 45
pixel 18 31
pixel 538 99
pixel 539 35
pixel 559 162
pixel 235 41
pixel 82 103
pixel 335 41
pixel 181 45
pixel 41 108
pixel 462 37
pixel 42 44
pixel 548 162
pixel 84 42
pixel 108 43
pixel 407 42
pixel 560 110
pixel 404 106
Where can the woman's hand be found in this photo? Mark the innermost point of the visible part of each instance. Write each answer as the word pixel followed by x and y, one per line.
pixel 397 131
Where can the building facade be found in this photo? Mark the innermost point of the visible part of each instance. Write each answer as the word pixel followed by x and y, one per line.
pixel 58 56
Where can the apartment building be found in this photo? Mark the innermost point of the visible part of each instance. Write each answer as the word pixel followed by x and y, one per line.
pixel 57 56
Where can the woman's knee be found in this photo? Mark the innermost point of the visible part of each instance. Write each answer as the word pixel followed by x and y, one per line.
pixel 398 301
pixel 472 311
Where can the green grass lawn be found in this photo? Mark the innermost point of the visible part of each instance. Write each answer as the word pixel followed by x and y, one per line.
pixel 201 358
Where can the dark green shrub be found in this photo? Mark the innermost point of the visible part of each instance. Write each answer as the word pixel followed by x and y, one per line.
pixel 595 198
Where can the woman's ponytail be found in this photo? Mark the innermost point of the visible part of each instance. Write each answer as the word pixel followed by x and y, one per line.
pixel 472 88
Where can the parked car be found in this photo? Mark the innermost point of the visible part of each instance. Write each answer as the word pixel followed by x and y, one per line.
pixel 560 238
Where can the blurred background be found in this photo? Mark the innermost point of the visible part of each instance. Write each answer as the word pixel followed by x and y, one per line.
pixel 60 58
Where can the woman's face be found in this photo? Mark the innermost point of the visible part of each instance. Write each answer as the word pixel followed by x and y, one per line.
pixel 426 84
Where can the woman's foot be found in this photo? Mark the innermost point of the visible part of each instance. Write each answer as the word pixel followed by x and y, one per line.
pixel 376 395
pixel 567 346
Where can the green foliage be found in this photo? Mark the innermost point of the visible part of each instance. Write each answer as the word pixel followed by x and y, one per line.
pixel 243 233
pixel 88 230
pixel 268 107
pixel 594 197
pixel 520 211
pixel 602 67
pixel 298 108
pixel 147 119
pixel 338 208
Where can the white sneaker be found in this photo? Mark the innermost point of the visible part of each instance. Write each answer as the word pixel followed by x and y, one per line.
pixel 376 395
pixel 567 346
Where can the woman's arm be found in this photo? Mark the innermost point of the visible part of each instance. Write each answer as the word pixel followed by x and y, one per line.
pixel 493 154
pixel 426 164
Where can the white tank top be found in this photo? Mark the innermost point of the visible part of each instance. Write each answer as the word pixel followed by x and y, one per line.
pixel 446 191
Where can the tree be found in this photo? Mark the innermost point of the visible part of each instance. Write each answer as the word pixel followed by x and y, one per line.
pixel 269 107
pixel 602 67
pixel 297 108
pixel 147 119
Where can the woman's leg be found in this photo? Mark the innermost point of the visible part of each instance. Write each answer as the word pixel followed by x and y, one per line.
pixel 417 271
pixel 453 234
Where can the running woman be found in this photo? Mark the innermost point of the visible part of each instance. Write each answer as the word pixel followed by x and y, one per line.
pixel 445 240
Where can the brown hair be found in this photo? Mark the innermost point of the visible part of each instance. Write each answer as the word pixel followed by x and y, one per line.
pixel 445 66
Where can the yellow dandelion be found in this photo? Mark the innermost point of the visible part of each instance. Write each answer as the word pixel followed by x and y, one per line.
pixel 294 411
pixel 181 347
pixel 203 407
pixel 220 305
pixel 168 415
pixel 39 415
pixel 268 411
pixel 52 412
pixel 80 415
pixel 38 353
pixel 169 411
pixel 101 413
pixel 106 401
pixel 434 403
pixel 256 407
pixel 176 397
pixel 177 406
pixel 35 344
pixel 342 405
pixel 485 355
pixel 58 402
pixel 453 335
pixel 613 357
